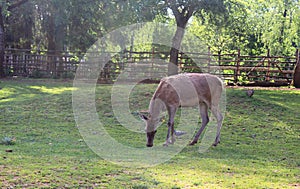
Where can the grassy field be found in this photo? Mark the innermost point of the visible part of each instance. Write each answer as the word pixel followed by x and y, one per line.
pixel 42 148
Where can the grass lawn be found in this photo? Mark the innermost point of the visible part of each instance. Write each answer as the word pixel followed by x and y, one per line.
pixel 41 146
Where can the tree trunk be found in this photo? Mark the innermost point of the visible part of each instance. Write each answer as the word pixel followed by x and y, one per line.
pixel 29 24
pixel 56 29
pixel 182 17
pixel 296 77
pixel 176 43
pixel 51 46
pixel 59 47
pixel 2 45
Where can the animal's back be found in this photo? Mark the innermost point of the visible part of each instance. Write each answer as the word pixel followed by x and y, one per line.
pixel 189 89
pixel 209 87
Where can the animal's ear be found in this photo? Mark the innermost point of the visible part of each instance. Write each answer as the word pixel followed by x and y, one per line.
pixel 143 117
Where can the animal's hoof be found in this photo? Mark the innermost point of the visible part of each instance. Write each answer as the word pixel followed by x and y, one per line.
pixel 216 143
pixel 193 143
pixel 165 144
pixel 172 141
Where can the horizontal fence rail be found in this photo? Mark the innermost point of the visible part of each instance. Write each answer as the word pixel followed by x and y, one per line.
pixel 234 68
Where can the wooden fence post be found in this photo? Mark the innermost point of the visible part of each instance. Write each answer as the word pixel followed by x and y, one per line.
pixel 152 58
pixel 237 71
pixel 267 78
pixel 209 60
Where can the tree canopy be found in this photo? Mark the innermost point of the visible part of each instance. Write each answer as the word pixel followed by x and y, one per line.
pixel 224 25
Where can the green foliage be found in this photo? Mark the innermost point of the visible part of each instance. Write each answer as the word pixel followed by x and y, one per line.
pixel 68 75
pixel 36 73
pixel 251 26
pixel 75 24
pixel 276 24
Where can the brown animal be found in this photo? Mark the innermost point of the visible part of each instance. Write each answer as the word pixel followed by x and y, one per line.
pixel 184 90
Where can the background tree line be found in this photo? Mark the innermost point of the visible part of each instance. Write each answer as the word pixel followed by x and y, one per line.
pixel 225 25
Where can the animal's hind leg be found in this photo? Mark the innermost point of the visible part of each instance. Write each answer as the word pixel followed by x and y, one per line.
pixel 205 120
pixel 215 110
pixel 170 137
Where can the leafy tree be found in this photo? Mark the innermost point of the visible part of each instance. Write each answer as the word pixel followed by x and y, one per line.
pixel 183 10
pixel 5 7
pixel 252 26
pixel 225 25
pixel 20 24
pixel 276 24
pixel 229 31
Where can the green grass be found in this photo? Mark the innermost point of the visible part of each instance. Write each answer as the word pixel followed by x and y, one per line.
pixel 259 144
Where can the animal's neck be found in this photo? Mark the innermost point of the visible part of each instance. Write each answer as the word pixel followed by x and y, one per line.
pixel 156 106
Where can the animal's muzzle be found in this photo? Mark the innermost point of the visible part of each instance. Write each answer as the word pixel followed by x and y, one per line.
pixel 149 145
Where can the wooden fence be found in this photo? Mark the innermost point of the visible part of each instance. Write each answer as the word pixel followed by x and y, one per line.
pixel 234 68
pixel 19 62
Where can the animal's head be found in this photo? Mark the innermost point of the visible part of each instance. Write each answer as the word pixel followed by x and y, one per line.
pixel 151 126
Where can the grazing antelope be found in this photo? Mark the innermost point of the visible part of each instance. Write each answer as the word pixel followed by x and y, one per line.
pixel 184 90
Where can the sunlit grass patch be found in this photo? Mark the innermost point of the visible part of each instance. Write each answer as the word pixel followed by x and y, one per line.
pixel 53 90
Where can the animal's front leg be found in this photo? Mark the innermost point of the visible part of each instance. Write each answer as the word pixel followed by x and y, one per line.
pixel 171 131
pixel 171 134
